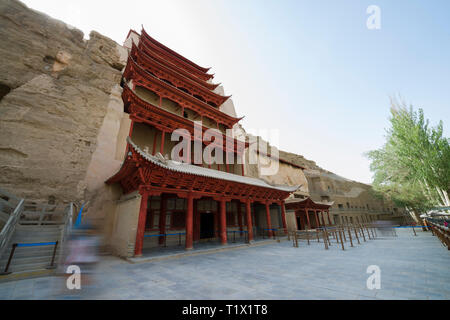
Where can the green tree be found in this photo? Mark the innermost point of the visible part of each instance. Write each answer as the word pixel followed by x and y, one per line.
pixel 413 166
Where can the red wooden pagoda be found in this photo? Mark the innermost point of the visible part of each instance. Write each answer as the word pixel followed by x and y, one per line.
pixel 183 94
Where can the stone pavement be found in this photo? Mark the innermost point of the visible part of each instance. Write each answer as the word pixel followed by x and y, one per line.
pixel 411 268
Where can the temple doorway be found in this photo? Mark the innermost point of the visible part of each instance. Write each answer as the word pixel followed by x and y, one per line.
pixel 206 225
pixel 299 223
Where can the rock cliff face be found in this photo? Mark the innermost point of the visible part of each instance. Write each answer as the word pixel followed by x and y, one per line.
pixel 55 88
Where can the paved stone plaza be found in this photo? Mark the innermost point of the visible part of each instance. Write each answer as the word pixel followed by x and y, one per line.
pixel 411 268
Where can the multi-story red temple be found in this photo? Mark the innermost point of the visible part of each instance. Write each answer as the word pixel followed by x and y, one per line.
pixel 163 91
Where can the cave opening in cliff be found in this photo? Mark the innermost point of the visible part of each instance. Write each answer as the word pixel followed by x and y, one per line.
pixel 4 90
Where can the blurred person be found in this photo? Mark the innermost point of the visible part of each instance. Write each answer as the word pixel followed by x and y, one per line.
pixel 83 251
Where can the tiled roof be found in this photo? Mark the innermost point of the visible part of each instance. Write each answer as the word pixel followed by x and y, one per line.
pixel 206 172
pixel 297 200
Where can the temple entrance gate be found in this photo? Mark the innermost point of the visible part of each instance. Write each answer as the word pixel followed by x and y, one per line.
pixel 206 225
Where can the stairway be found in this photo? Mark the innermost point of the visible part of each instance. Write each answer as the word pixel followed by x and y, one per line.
pixel 35 257
pixel 34 227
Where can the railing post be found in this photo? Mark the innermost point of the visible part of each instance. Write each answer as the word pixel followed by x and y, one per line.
pixel 296 240
pixel 327 235
pixel 371 230
pixel 325 240
pixel 356 234
pixel 9 227
pixel 350 236
pixel 52 266
pixel 368 233
pixel 340 237
pixel 9 259
pixel 362 232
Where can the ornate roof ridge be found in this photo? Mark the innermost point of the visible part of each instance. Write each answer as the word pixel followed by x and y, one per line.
pixel 206 172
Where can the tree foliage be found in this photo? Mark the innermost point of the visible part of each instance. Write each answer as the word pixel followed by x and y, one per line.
pixel 413 166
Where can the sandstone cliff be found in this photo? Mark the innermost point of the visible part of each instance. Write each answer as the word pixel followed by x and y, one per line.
pixel 55 88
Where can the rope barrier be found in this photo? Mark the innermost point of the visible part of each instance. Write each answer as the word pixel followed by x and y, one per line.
pixel 238 231
pixel 36 244
pixel 163 235
pixel 179 234
pixel 403 227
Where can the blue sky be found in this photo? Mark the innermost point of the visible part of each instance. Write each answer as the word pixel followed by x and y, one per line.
pixel 310 69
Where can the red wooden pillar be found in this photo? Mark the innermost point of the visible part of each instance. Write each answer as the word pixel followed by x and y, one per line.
pixel 216 224
pixel 162 218
pixel 249 220
pixel 328 215
pixel 307 218
pixel 322 218
pixel 161 149
pixel 239 215
pixel 141 225
pixel 131 128
pixel 223 222
pixel 296 215
pixel 317 219
pixel 154 141
pixel 196 222
pixel 283 217
pixel 269 221
pixel 189 222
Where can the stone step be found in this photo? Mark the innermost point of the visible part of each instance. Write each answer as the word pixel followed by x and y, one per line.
pixel 29 252
pixel 51 238
pixel 26 274
pixel 16 261
pixel 37 235
pixel 32 237
pixel 38 229
pixel 21 228
pixel 4 217
pixel 28 266
pixel 35 257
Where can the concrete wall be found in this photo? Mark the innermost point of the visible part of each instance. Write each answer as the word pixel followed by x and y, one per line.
pixel 133 37
pixel 291 222
pixel 126 215
pixel 261 216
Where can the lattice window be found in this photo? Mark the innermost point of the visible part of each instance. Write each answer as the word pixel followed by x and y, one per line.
pixel 153 212
pixel 178 219
pixel 231 219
